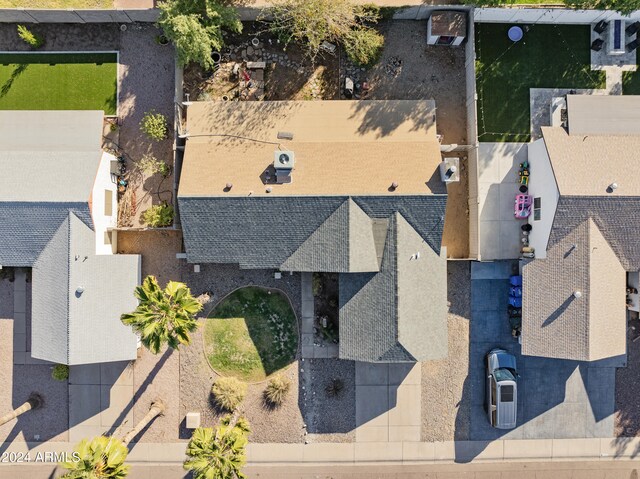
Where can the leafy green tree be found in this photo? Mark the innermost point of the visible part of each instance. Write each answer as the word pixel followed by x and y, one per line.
pixel 218 453
pixel 100 458
pixel 195 27
pixel 164 316
pixel 623 6
pixel 311 22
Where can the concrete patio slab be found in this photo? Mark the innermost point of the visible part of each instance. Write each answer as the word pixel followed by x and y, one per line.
pixel 116 406
pixel 405 373
pixel 84 405
pixel 405 405
pixel 372 434
pixel 372 406
pixel 372 374
pixel 404 433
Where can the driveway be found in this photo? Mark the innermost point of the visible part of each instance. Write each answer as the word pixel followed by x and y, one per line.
pixel 557 399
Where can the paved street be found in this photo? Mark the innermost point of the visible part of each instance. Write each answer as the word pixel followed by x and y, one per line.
pixel 557 398
pixel 521 470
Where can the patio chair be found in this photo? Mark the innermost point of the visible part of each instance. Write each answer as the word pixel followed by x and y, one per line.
pixel 600 27
pixel 632 29
pixel 597 44
pixel 631 46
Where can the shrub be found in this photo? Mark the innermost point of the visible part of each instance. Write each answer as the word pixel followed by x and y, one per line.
pixel 150 165
pixel 335 387
pixel 30 38
pixel 316 284
pixel 60 372
pixel 364 46
pixel 277 390
pixel 228 392
pixel 154 125
pixel 158 216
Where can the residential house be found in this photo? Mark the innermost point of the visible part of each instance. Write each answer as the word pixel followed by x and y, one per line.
pixel 58 208
pixel 345 187
pixel 585 180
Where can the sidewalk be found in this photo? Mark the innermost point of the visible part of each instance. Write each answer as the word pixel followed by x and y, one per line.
pixel 379 453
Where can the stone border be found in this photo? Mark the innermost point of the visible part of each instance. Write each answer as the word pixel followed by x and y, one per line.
pixel 286 368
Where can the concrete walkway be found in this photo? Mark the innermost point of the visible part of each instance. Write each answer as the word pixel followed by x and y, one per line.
pixel 379 452
pixel 388 402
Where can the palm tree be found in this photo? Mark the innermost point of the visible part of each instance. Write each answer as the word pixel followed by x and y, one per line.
pixel 35 401
pixel 101 458
pixel 157 408
pixel 163 316
pixel 218 453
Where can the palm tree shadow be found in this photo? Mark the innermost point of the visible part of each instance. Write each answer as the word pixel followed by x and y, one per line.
pixel 138 393
pixel 17 71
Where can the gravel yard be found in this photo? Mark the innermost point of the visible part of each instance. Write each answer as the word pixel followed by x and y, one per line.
pixel 627 415
pixel 445 402
pixel 329 417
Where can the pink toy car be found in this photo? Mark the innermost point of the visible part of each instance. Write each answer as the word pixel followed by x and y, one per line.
pixel 523 206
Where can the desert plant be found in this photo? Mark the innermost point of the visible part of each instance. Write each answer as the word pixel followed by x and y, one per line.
pixel 35 401
pixel 311 22
pixel 335 387
pixel 363 46
pixel 163 316
pixel 60 372
pixel 150 165
pixel 30 38
pixel 228 392
pixel 218 453
pixel 100 458
pixel 196 27
pixel 277 389
pixel 158 216
pixel 154 125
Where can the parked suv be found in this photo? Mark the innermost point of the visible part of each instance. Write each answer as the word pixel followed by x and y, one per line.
pixel 501 391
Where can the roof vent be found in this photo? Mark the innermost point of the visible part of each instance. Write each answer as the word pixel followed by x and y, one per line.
pixel 283 162
pixel 79 291
pixel 613 186
pixel 394 186
pixel 577 294
pixel 228 186
pixel 269 189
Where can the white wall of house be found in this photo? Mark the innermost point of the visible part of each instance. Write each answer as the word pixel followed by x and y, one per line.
pixel 104 209
pixel 542 184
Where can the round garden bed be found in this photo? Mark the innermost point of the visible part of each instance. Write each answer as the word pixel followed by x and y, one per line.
pixel 251 334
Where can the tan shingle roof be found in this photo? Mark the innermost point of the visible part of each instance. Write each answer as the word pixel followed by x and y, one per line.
pixel 587 165
pixel 340 147
pixel 557 324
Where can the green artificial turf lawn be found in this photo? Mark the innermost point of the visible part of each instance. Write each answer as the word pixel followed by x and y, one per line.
pixel 631 82
pixel 52 81
pixel 549 56
pixel 251 334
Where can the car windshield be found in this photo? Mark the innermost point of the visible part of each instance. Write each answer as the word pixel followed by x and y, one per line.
pixel 503 374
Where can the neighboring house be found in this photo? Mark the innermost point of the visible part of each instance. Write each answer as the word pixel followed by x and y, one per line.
pixel 447 27
pixel 58 205
pixel 585 180
pixel 328 186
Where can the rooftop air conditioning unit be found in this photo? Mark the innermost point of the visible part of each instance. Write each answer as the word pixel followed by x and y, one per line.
pixel 283 162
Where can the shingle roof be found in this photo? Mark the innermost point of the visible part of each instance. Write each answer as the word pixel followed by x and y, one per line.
pixel 399 313
pixel 27 228
pixel 557 324
pixel 603 114
pixel 343 243
pixel 264 232
pixel 72 328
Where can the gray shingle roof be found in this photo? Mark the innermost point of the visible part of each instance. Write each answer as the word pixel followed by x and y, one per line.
pixel 27 228
pixel 72 328
pixel 263 232
pixel 399 313
pixel 343 243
